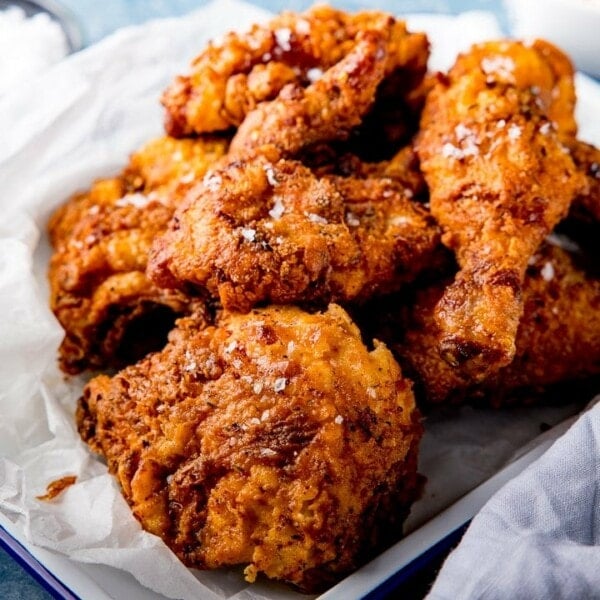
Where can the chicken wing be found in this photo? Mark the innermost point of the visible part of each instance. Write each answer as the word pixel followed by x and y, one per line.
pixel 558 338
pixel 499 179
pixel 99 290
pixel 273 439
pixel 229 79
pixel 266 229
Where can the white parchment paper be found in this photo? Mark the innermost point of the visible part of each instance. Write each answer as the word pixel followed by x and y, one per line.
pixel 79 121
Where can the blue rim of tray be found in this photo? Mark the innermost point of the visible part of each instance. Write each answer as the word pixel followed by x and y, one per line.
pixel 58 589
pixel 34 567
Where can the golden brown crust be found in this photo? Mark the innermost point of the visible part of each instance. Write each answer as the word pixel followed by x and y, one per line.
pixel 229 79
pixel 558 338
pixel 99 290
pixel 273 439
pixel 325 110
pixel 499 179
pixel 265 229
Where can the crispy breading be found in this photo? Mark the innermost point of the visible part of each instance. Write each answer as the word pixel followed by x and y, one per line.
pixel 99 290
pixel 273 439
pixel 558 338
pixel 265 229
pixel 328 109
pixel 499 179
pixel 229 79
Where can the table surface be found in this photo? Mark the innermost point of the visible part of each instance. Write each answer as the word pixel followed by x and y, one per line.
pixel 99 19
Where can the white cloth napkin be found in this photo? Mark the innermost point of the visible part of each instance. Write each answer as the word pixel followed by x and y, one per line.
pixel 538 537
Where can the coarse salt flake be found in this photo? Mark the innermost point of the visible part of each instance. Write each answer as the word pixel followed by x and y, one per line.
pixel 231 347
pixel 135 200
pixel 280 384
pixel 451 151
pixel 462 131
pixel 547 271
pixel 514 132
pixel 315 218
pixel 248 234
pixel 502 66
pixel 270 173
pixel 338 420
pixel 352 219
pixel 283 37
pixel 314 74
pixel 191 366
pixel 257 387
pixel 267 452
pixel 278 209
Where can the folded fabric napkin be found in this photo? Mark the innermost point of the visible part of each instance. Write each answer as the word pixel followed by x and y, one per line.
pixel 538 537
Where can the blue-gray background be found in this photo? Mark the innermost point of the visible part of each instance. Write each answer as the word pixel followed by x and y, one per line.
pixel 100 17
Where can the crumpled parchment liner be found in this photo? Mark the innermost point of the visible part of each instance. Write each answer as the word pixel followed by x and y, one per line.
pixel 79 121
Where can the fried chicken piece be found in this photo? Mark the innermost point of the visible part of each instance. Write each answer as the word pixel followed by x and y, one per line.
pixel 230 79
pixel 269 230
pixel 344 103
pixel 326 110
pixel 163 168
pixel 273 439
pixel 558 338
pixel 99 290
pixel 499 180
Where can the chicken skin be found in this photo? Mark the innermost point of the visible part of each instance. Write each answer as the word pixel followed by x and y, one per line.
pixel 269 230
pixel 264 228
pixel 500 179
pixel 328 109
pixel 99 290
pixel 230 79
pixel 558 338
pixel 273 439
